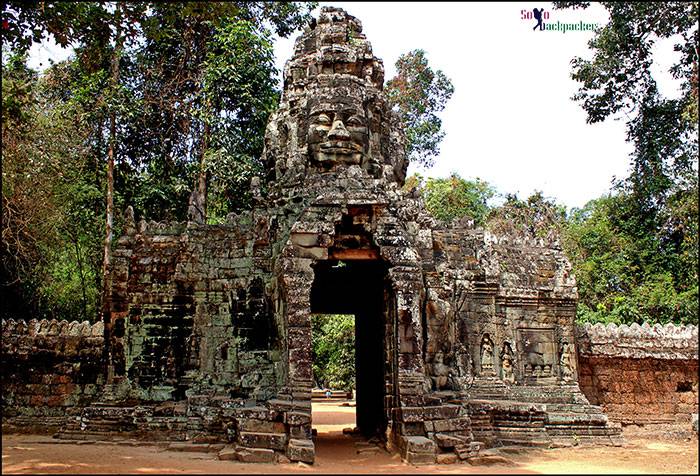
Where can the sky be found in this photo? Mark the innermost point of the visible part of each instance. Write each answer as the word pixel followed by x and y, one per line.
pixel 511 120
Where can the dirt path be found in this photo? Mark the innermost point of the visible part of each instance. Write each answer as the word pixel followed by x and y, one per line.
pixel 336 453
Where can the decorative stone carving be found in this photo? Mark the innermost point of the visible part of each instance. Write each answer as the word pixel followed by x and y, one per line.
pixel 439 372
pixel 333 114
pixel 338 131
pixel 567 362
pixel 192 346
pixel 538 352
pixel 129 222
pixel 487 355
pixel 507 373
pixel 638 342
pixel 462 375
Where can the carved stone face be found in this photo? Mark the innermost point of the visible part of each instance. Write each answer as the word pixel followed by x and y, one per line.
pixel 338 133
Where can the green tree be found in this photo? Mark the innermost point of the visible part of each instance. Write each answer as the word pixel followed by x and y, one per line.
pixel 142 92
pixel 333 350
pixel 47 241
pixel 208 89
pixel 454 197
pixel 26 22
pixel 655 208
pixel 624 277
pixel 618 79
pixel 417 94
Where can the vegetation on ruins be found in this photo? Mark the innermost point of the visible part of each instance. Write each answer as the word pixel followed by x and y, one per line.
pixel 624 273
pixel 454 197
pixel 634 251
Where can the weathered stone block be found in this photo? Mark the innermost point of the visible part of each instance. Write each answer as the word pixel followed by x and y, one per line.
pixel 228 454
pixel 301 450
pixel 414 414
pixel 448 441
pixel 446 458
pixel 418 444
pixel 260 426
pixel 275 441
pixel 297 418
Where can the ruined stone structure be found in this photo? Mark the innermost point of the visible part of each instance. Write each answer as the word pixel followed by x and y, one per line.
pixel 50 371
pixel 464 338
pixel 642 376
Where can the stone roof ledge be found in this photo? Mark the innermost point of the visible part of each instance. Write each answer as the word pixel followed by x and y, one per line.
pixel 53 327
pixel 659 341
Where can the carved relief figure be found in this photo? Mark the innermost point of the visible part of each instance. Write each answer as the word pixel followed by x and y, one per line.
pixel 192 352
pixel 507 374
pixel 439 372
pixel 461 374
pixel 567 362
pixel 486 355
pixel 539 352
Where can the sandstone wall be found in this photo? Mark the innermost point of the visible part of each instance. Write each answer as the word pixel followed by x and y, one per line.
pixel 49 368
pixel 641 375
pixel 190 307
pixel 503 299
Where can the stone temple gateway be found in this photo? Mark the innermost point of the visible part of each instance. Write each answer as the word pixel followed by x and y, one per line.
pixel 465 339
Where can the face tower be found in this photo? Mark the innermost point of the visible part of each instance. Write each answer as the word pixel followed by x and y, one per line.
pixel 333 114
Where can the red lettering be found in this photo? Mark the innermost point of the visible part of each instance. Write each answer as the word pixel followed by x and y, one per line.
pixel 545 15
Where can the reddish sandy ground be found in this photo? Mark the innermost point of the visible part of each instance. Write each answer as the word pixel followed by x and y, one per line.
pixel 337 453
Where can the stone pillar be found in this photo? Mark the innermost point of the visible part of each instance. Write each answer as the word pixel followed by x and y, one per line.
pixel 297 279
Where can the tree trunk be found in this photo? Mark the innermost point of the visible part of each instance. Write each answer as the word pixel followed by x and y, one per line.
pixel 75 240
pixel 202 179
pixel 107 262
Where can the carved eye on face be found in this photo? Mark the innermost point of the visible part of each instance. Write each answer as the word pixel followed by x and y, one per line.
pixel 354 121
pixel 323 119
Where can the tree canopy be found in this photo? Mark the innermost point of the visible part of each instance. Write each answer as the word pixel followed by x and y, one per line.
pixel 176 96
pixel 648 266
pixel 454 197
pixel 157 99
pixel 418 94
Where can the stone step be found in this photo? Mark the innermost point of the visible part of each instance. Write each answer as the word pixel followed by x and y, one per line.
pixel 86 435
pixel 580 419
pixel 524 442
pixel 505 423
pixel 583 432
pixel 506 450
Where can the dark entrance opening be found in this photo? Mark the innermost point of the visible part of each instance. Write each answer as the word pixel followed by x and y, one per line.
pixel 357 287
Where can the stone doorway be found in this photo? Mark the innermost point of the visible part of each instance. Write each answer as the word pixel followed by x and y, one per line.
pixel 357 287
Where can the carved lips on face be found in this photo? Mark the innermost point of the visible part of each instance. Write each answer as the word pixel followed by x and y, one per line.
pixel 338 134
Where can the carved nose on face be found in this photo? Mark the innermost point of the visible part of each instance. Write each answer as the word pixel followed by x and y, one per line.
pixel 338 131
